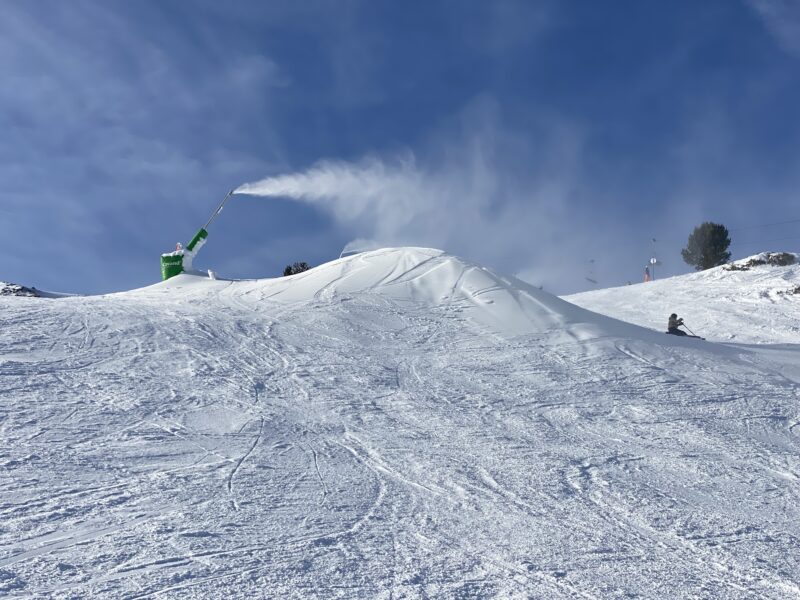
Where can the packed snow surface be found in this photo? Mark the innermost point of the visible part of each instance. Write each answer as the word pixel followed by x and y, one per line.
pixel 757 304
pixel 398 423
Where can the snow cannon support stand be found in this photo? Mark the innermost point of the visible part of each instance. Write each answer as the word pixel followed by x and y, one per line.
pixel 174 263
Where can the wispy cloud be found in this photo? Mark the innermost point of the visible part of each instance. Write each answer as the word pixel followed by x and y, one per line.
pixel 782 19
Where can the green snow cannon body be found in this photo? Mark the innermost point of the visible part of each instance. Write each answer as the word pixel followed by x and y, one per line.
pixel 171 265
pixel 175 263
pixel 179 261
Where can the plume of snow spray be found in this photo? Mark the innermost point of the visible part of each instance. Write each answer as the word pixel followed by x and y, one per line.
pixel 351 191
pixel 453 206
pixel 465 200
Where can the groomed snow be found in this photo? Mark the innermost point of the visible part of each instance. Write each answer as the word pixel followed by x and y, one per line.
pixel 397 423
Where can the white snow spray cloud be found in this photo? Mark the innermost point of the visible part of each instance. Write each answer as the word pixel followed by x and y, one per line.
pixel 380 193
pixel 395 201
pixel 464 206
pixel 489 195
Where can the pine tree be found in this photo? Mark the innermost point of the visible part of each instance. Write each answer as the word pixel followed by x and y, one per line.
pixel 296 268
pixel 707 246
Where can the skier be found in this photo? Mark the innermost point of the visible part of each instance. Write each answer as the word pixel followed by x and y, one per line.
pixel 673 324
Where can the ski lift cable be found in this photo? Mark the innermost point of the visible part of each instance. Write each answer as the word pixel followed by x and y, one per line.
pixel 765 225
pixel 652 240
pixel 782 239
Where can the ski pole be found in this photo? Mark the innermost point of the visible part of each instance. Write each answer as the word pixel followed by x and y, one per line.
pixel 690 331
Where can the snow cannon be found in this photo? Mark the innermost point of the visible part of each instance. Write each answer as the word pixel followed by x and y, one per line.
pixel 179 261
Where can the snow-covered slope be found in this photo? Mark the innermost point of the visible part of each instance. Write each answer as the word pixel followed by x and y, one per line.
pixel 757 304
pixel 393 424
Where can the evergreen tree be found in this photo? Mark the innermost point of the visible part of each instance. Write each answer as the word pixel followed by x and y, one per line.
pixel 296 268
pixel 707 246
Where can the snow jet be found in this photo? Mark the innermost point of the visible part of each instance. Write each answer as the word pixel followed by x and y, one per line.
pixel 385 202
pixel 331 179
pixel 462 201
pixel 370 188
pixel 394 201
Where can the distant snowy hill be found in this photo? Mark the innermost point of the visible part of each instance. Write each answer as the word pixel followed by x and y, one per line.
pixel 755 300
pixel 13 289
pixel 397 423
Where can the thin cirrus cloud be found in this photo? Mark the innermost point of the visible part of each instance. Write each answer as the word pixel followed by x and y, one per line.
pixel 782 19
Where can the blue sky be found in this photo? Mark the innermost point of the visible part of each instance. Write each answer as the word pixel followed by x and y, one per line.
pixel 552 140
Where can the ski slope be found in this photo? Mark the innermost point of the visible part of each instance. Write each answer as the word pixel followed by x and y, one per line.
pixel 753 306
pixel 394 424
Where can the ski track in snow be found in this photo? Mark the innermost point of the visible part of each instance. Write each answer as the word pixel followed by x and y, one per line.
pixel 397 424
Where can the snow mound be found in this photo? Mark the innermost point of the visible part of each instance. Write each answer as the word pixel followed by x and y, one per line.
pixel 418 277
pixel 752 300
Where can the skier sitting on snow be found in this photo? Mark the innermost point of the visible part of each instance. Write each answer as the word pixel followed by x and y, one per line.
pixel 673 324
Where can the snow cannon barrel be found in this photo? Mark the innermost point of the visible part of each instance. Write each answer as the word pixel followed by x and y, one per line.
pixel 197 241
